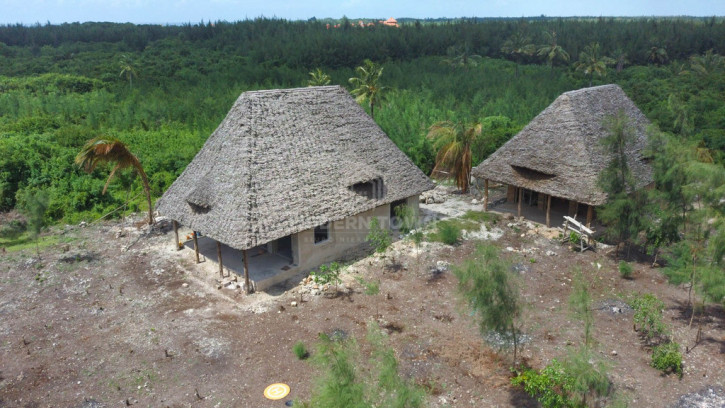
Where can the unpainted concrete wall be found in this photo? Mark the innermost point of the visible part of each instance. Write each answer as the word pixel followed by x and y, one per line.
pixel 345 234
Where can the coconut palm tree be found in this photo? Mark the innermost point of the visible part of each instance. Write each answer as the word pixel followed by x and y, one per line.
pixel 621 59
pixel 128 69
pixel 517 47
pixel 367 87
pixel 706 64
pixel 453 142
pixel 318 78
pixel 552 51
pixel 657 55
pixel 590 62
pixel 461 57
pixel 110 150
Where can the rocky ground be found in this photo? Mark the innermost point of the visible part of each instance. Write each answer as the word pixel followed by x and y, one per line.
pixel 114 317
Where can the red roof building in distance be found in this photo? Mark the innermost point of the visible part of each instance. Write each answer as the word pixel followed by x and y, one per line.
pixel 391 22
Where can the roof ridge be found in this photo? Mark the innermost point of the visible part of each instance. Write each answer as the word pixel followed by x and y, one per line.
pixel 292 90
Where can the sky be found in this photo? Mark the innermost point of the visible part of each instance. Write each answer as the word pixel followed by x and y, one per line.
pixel 188 11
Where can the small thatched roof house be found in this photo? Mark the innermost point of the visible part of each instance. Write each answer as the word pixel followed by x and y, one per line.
pixel 559 153
pixel 282 166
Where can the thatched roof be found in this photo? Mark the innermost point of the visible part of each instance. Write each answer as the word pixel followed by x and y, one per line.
pixel 284 161
pixel 560 153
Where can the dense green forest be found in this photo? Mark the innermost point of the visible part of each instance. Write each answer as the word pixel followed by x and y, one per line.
pixel 163 89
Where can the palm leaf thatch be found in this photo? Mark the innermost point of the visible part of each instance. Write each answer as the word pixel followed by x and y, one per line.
pixel 559 152
pixel 287 160
pixel 453 142
pixel 113 151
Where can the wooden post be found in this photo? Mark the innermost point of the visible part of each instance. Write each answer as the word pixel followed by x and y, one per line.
pixel 548 211
pixel 219 258
pixel 590 215
pixel 246 272
pixel 176 235
pixel 521 198
pixel 196 246
pixel 485 195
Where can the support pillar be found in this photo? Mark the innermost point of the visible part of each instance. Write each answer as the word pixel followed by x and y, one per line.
pixel 176 235
pixel 246 272
pixel 485 195
pixel 548 211
pixel 590 215
pixel 521 198
pixel 196 246
pixel 219 258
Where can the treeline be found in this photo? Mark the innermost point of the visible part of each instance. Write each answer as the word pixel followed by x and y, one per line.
pixel 163 90
pixel 301 44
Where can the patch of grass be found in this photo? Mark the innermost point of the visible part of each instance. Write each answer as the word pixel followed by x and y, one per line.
pixel 300 350
pixel 447 231
pixel 480 217
pixel 25 241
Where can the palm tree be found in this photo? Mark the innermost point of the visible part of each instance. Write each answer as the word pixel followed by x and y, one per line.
pixel 110 150
pixel 453 143
pixel 552 51
pixel 366 85
pixel 128 69
pixel 517 47
pixel 657 55
pixel 706 64
pixel 591 63
pixel 461 57
pixel 621 59
pixel 318 78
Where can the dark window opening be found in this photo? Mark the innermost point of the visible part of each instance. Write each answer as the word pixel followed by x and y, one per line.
pixel 199 209
pixel 372 189
pixel 322 233
pixel 532 174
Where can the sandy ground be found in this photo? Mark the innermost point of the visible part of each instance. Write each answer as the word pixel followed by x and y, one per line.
pixel 94 325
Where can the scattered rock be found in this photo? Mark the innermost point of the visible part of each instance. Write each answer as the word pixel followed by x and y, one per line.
pixel 707 397
pixel 474 201
pixel 293 304
pixel 614 352
pixel 185 285
pixel 550 253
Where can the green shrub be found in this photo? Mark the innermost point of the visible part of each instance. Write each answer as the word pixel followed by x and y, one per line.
pixel 327 274
pixel 667 358
pixel 625 270
pixel 300 350
pixel 378 237
pixel 551 386
pixel 406 218
pixel 448 232
pixel 648 315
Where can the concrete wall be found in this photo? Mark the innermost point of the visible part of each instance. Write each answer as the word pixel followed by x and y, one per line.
pixel 345 234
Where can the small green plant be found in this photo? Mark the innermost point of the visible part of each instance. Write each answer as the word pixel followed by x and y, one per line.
pixel 378 237
pixel 574 238
pixel 667 358
pixel 344 384
pixel 300 350
pixel 648 315
pixel 625 270
pixel 406 218
pixel 580 302
pixel 551 386
pixel 328 274
pixel 449 232
pixel 532 260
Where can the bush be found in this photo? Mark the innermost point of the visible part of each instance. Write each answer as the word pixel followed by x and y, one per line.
pixel 327 274
pixel 551 386
pixel 406 218
pixel 667 358
pixel 648 315
pixel 625 270
pixel 300 350
pixel 448 232
pixel 378 237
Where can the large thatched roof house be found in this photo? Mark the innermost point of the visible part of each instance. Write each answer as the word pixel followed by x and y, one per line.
pixel 292 176
pixel 559 153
